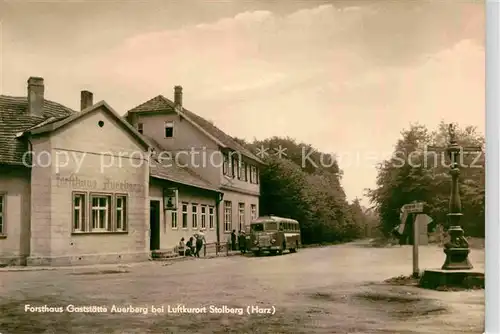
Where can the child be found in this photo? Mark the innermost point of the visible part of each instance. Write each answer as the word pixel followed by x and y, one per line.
pixel 182 247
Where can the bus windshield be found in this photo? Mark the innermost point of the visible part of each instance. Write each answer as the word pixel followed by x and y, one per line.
pixel 272 226
pixel 257 227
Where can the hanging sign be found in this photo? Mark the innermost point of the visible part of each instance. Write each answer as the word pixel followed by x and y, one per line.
pixel 170 198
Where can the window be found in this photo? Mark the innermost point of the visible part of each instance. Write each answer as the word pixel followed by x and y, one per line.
pixel 203 217
pixel 228 167
pixel 140 128
pixel 121 213
pixel 254 177
pixel 228 216
pixel 174 219
pixel 241 216
pixel 225 166
pixel 253 211
pixel 169 129
pixel 243 172
pixel 234 166
pixel 211 218
pixel 101 213
pixel 2 214
pixel 184 215
pixel 78 212
pixel 194 213
pixel 271 226
pixel 257 227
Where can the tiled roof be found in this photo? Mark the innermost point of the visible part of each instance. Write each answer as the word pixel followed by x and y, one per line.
pixel 14 118
pixel 168 170
pixel 161 103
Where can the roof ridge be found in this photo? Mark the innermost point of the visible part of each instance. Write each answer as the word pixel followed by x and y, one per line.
pixel 160 102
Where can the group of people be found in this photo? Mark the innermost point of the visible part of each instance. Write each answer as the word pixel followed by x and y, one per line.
pixel 242 241
pixel 193 246
pixel 195 243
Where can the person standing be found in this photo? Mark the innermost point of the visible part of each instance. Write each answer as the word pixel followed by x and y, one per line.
pixel 233 240
pixel 199 244
pixel 242 242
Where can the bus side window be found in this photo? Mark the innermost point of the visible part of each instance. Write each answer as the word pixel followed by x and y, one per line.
pixel 281 226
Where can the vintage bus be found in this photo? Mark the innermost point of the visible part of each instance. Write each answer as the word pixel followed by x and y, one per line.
pixel 274 234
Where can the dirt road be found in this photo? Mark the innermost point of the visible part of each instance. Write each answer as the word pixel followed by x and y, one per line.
pixel 323 290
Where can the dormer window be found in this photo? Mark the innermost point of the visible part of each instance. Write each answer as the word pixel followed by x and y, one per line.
pixel 169 129
pixel 254 175
pixel 243 172
pixel 227 168
pixel 140 128
pixel 235 169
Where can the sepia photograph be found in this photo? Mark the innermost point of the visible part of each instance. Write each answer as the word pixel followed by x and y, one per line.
pixel 254 166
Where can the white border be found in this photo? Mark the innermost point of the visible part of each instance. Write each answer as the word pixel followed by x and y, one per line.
pixel 492 292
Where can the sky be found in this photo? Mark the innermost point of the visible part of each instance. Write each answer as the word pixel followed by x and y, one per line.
pixel 344 76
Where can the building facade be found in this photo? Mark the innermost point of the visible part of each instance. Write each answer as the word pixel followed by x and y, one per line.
pixel 82 187
pixel 194 142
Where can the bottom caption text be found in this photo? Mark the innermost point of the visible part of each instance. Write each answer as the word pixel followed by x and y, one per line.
pixel 161 309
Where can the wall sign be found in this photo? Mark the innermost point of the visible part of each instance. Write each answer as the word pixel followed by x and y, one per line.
pixel 80 183
pixel 170 198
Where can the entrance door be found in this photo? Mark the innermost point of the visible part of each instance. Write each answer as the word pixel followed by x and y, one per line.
pixel 154 223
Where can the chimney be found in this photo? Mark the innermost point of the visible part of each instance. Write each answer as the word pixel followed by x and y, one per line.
pixel 35 96
pixel 178 96
pixel 86 99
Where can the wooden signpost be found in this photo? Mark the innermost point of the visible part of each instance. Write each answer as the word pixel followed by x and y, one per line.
pixel 416 210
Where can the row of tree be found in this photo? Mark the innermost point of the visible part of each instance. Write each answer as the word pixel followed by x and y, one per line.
pixel 414 173
pixel 306 187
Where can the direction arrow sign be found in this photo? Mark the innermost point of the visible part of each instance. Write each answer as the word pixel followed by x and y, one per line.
pixel 414 207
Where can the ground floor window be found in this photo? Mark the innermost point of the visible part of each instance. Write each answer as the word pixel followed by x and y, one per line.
pixel 174 219
pixel 241 216
pixel 184 215
pixel 228 216
pixel 194 214
pixel 121 213
pixel 101 213
pixel 203 217
pixel 211 217
pixel 79 212
pixel 253 211
pixel 2 214
pixel 106 213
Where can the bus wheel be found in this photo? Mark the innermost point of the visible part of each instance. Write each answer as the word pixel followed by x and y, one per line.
pixel 294 250
pixel 256 253
pixel 273 252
